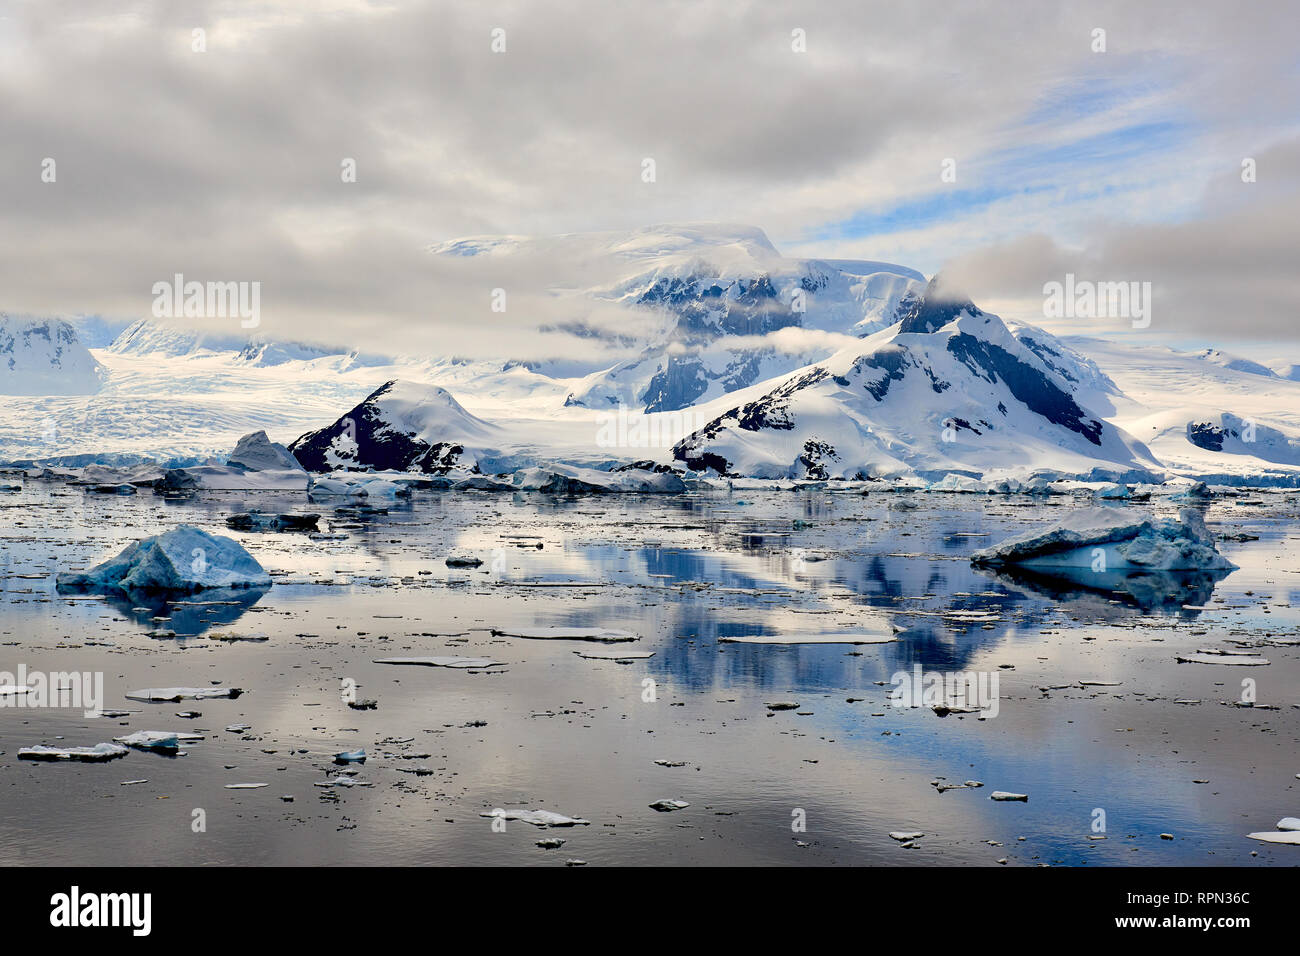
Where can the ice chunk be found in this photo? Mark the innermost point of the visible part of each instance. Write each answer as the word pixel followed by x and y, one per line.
pixel 260 521
pixel 151 740
pixel 256 452
pixel 538 818
pixel 905 836
pixel 1002 795
pixel 174 694
pixel 463 561
pixel 1279 836
pixel 1126 540
pixel 606 635
pixel 668 806
pixel 350 756
pixel 96 754
pixel 184 559
pixel 1289 823
pixel 457 662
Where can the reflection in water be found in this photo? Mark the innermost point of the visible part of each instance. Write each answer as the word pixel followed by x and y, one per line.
pixel 189 615
pixel 1151 592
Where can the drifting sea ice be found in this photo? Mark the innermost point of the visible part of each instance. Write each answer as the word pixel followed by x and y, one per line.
pixel 1128 541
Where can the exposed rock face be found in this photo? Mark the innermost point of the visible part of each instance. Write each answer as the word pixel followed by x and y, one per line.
pixel 401 426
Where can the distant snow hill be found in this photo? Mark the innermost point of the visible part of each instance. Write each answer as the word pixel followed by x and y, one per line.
pixel 45 357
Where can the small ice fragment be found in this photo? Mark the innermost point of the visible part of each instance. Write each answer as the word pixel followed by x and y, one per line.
pixel 244 786
pixel 538 818
pixel 667 806
pixel 462 663
pixel 174 694
pixel 782 705
pixel 463 561
pixel 1004 795
pixel 1289 823
pixel 151 740
pixel 612 654
pixel 1280 836
pixel 606 635
pixel 904 837
pixel 1236 660
pixel 351 756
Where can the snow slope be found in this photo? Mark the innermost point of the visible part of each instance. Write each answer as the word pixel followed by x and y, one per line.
pixel 45 357
pixel 948 389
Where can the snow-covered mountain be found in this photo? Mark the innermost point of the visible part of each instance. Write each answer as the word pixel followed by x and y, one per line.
pixel 401 426
pixel 746 360
pixel 712 294
pixel 949 389
pixel 45 357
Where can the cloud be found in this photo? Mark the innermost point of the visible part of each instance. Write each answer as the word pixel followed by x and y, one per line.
pixel 226 164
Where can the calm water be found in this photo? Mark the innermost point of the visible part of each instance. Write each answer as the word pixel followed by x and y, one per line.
pixel 552 730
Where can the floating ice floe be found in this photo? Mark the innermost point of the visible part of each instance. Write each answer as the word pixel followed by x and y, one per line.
pixel 245 786
pixel 1288 831
pixel 96 754
pixel 227 478
pixel 782 705
pixel 538 818
pixel 174 694
pixel 355 485
pixel 461 663
pixel 185 559
pixel 1213 657
pixel 905 836
pixel 668 806
pixel 1125 540
pixel 808 639
pixel 463 561
pixel 350 756
pixel 1002 795
pixel 960 483
pixel 569 479
pixel 260 521
pixel 612 654
pixel 606 635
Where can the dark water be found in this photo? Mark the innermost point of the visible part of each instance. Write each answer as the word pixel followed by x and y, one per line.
pixel 577 736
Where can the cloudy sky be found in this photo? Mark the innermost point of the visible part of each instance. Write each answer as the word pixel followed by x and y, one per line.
pixel 225 162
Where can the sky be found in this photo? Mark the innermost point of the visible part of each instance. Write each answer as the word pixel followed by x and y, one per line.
pixel 220 154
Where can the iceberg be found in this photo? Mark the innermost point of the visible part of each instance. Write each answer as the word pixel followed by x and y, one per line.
pixel 185 559
pixel 256 452
pixel 229 478
pixel 1112 539
pixel 572 480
